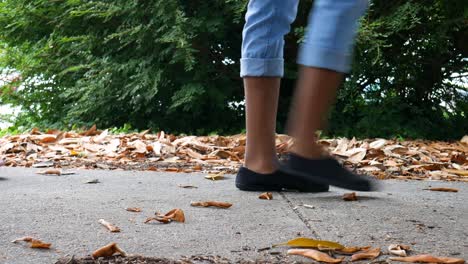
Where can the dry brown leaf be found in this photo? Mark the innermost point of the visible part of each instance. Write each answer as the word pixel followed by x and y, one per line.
pixel 34 243
pixel 172 169
pixel 91 132
pixel 173 215
pixel 57 172
pixel 197 168
pixel 315 255
pixel 111 227
pixel 48 139
pixel 464 139
pixel 176 215
pixel 371 253
pixel 350 196
pixel 442 189
pixel 266 196
pixel 133 209
pixel 398 250
pixel 211 203
pixel 351 250
pixel 378 144
pixel 356 155
pixel 108 251
pixel 429 259
pixel 458 172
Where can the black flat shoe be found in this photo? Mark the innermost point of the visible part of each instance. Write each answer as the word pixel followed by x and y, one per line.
pixel 248 180
pixel 327 171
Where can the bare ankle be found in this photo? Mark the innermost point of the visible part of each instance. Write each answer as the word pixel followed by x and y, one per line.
pixel 262 166
pixel 308 150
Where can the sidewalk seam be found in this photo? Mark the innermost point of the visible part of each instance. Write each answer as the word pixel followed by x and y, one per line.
pixel 299 215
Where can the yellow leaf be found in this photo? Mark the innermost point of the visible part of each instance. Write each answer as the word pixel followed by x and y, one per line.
pixel 311 243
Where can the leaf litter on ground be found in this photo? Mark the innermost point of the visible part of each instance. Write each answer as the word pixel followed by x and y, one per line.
pixel 93 148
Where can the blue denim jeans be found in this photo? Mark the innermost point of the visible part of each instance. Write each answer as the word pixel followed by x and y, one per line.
pixel 328 42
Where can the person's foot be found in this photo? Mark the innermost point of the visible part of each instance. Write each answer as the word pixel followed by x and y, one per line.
pixel 326 171
pixel 248 180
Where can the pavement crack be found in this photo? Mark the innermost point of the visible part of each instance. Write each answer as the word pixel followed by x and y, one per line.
pixel 299 214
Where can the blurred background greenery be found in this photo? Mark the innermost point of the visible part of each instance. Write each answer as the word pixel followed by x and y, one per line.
pixel 174 66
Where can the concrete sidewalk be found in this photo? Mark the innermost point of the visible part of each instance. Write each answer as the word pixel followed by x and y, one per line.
pixel 64 211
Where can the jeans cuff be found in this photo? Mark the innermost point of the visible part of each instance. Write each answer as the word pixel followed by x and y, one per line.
pixel 253 67
pixel 311 55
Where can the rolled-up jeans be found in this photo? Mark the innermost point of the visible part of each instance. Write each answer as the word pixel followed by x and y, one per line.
pixel 328 41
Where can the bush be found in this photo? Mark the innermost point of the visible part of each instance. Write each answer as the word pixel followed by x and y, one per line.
pixel 173 65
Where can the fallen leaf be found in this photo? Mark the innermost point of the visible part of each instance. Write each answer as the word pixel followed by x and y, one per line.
pixel 266 196
pixel 172 169
pixel 351 250
pixel 357 155
pixel 350 196
pixel 215 176
pixel 464 139
pixel 108 251
pixel 111 227
pixel 176 215
pixel 43 164
pixel 311 243
pixel 133 209
pixel 91 132
pixel 211 203
pixel 51 172
pixel 34 243
pixel 315 255
pixel 197 168
pixel 371 253
pixel 398 250
pixel 187 186
pixel 378 144
pixel 173 215
pixel 442 189
pixel 152 168
pixel 458 172
pixel 428 259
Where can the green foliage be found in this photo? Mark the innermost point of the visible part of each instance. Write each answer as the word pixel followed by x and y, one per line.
pixel 152 64
pixel 173 65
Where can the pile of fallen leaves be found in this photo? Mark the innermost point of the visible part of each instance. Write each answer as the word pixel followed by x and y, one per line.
pixel 382 158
